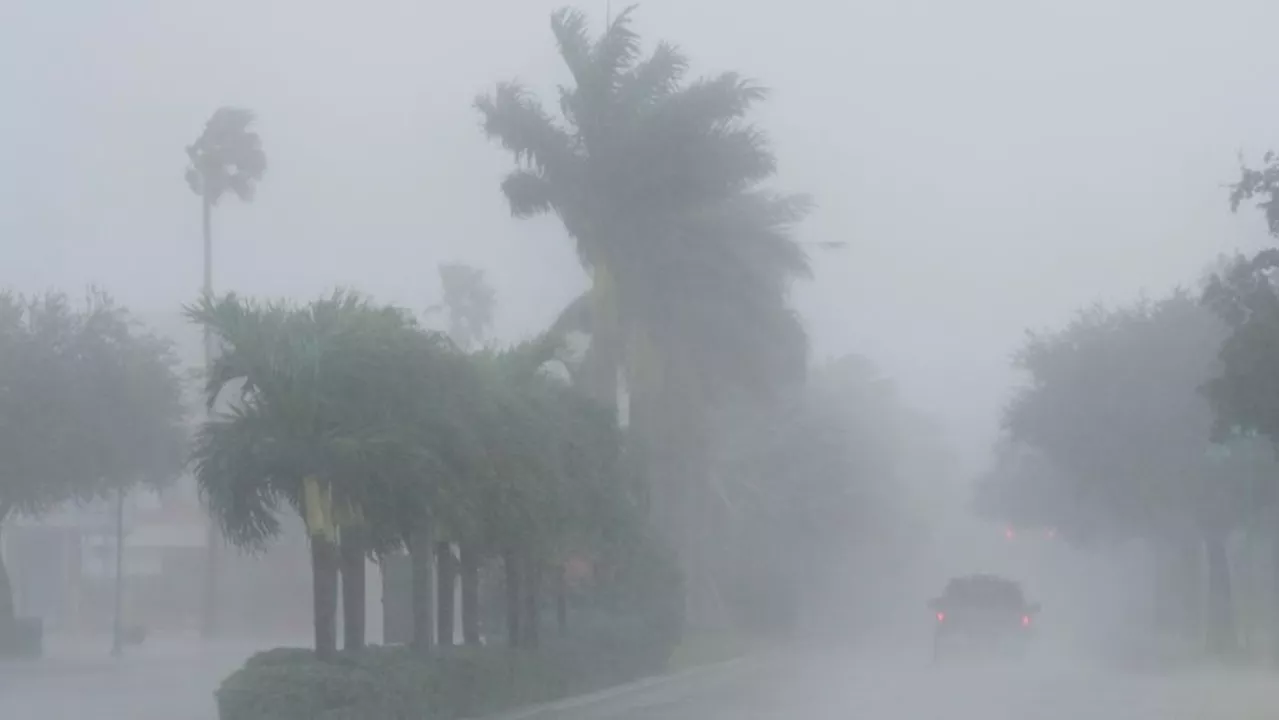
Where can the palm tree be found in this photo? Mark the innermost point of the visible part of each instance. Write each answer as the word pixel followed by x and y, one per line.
pixel 658 182
pixel 227 157
pixel 328 415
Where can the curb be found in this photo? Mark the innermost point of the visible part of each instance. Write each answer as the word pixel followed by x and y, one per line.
pixel 583 701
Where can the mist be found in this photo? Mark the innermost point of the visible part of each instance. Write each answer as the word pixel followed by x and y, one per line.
pixel 981 176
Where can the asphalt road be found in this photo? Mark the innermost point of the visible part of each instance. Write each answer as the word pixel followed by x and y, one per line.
pixel 903 686
pixel 800 686
pixel 163 681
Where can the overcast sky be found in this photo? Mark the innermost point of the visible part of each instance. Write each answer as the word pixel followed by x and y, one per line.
pixel 992 164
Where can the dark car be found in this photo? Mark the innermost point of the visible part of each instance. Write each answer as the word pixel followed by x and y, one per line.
pixel 982 615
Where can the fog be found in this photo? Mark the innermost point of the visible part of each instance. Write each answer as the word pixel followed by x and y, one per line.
pixel 991 167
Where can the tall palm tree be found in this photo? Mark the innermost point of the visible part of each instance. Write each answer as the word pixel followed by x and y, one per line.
pixel 226 158
pixel 658 182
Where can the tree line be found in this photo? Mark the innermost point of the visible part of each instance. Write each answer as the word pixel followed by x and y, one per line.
pixel 1157 421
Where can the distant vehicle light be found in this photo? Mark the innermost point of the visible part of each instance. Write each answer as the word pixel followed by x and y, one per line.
pixel 1008 533
pixel 1026 621
pixel 942 616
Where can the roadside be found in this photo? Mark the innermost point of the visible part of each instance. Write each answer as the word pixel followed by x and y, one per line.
pixel 708 678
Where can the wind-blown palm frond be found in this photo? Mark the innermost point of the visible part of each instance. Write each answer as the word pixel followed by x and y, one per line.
pixel 238 461
pixel 514 118
pixel 341 390
pixel 616 52
pixel 570 29
pixel 227 157
pixel 653 79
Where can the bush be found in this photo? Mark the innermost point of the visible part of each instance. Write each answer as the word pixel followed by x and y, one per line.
pixel 393 683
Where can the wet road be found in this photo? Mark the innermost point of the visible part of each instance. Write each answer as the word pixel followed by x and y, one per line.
pixel 166 681
pixel 808 686
pixel 843 687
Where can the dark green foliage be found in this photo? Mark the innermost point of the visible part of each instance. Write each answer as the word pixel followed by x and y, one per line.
pixel 1111 405
pixel 393 683
pixel 1244 395
pixel 343 390
pixel 91 402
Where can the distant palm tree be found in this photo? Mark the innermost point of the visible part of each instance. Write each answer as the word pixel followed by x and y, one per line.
pixel 658 183
pixel 227 157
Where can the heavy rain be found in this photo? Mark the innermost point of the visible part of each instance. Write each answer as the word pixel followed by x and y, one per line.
pixel 679 361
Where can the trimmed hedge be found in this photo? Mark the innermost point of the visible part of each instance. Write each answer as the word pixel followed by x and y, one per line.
pixel 393 683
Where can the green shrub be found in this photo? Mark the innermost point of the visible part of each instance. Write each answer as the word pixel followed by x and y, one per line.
pixel 392 683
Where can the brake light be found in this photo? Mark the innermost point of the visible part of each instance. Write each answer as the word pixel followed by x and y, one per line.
pixel 942 616
pixel 1008 533
pixel 1026 621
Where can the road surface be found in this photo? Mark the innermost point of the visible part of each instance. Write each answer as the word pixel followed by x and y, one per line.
pixel 177 685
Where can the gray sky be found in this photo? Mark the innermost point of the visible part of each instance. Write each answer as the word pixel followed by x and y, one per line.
pixel 992 164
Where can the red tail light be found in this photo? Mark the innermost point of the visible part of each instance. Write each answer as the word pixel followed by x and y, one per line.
pixel 942 616
pixel 1026 621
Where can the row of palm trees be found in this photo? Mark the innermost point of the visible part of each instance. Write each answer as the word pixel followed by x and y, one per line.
pixel 383 435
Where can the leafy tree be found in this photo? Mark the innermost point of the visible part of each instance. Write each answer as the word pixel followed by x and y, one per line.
pixel 1246 395
pixel 89 403
pixel 332 409
pixel 658 182
pixel 1111 407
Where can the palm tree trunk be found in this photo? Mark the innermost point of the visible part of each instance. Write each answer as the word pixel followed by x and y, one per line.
pixel 422 597
pixel 532 590
pixel 511 568
pixel 353 588
pixel 446 574
pixel 470 578
pixel 324 590
pixel 562 601
pixel 213 536
pixel 1220 635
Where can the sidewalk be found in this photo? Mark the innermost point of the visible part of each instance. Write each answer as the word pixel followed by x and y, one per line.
pixel 648 692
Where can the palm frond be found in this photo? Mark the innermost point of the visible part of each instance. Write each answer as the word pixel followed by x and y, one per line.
pixel 513 117
pixel 569 26
pixel 227 156
pixel 654 79
pixel 528 193
pixel 616 51
pixel 711 101
pixel 236 461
